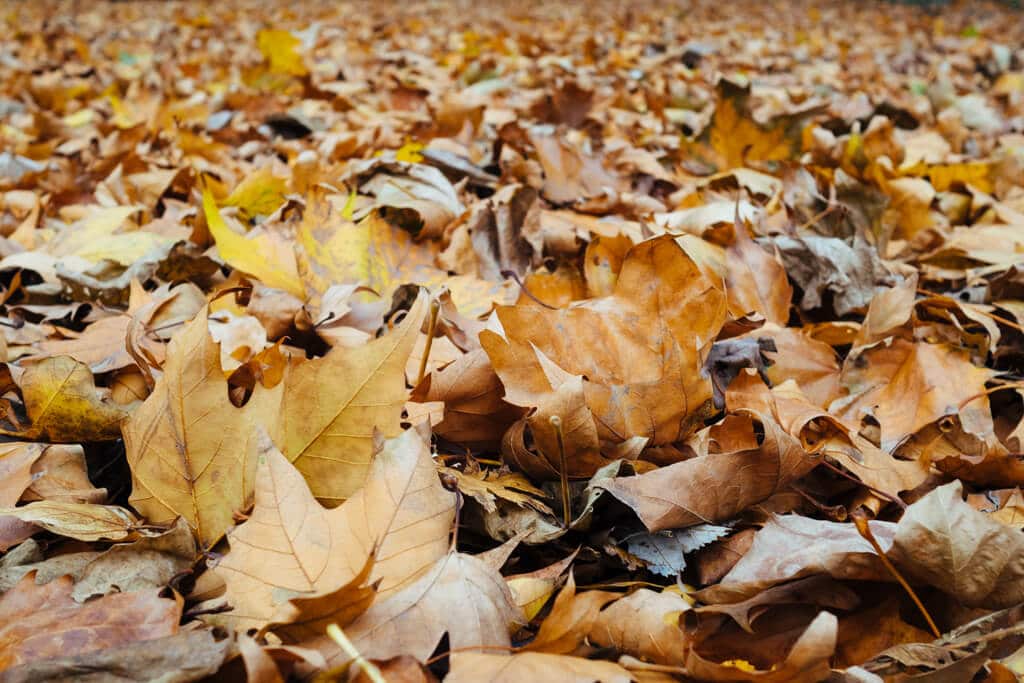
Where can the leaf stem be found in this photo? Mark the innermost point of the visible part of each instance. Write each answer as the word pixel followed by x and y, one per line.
pixel 860 520
pixel 563 471
pixel 369 668
pixel 435 307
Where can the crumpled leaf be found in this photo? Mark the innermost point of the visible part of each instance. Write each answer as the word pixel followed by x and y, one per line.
pixel 946 543
pixel 644 624
pixel 186 656
pixel 570 620
pixel 609 341
pixel 908 385
pixel 717 486
pixel 852 275
pixel 82 521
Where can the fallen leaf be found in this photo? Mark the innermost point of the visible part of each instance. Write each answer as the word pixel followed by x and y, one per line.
pixel 64 405
pixel 279 552
pixel 533 666
pixel 44 622
pixel 192 453
pixel 331 442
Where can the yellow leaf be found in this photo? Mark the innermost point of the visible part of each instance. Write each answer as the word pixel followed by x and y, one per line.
pixel 263 257
pixel 734 137
pixel 338 401
pixel 410 152
pixel 333 249
pixel 281 50
pixel 191 452
pixel 259 194
pixel 64 405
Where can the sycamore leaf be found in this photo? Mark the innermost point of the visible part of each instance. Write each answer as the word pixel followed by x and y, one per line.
pixel 64 406
pixel 734 138
pixel 639 349
pixel 264 256
pixel 644 624
pixel 331 438
pixel 570 620
pixel 192 453
pixel 291 547
pixel 281 50
pixel 459 595
pixel 908 385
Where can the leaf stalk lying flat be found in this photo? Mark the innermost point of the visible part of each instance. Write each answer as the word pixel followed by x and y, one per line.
pixel 861 522
pixel 369 668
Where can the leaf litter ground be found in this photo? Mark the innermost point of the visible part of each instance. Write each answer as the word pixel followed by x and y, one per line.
pixel 603 342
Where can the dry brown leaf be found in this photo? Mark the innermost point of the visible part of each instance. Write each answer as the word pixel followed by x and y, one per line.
pixel 290 546
pixel 756 281
pixel 570 620
pixel 474 412
pixel 639 348
pixel 644 624
pixel 946 543
pixel 44 622
pixel 64 406
pixel 187 655
pixel 458 595
pixel 468 667
pixel 82 521
pixel 717 486
pixel 907 386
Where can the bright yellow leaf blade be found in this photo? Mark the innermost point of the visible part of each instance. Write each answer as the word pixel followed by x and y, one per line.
pixel 281 50
pixel 270 261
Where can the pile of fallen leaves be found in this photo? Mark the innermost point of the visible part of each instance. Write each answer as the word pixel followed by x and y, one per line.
pixel 486 342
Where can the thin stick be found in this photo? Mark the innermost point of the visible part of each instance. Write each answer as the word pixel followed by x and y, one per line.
pixel 563 471
pixel 435 307
pixel 368 667
pixel 860 520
